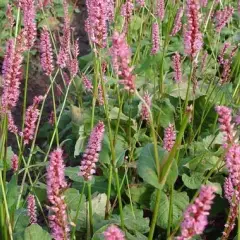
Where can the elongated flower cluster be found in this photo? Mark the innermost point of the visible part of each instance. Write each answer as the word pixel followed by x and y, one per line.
pixel 192 35
pixel 113 233
pixel 64 52
pixel 14 162
pixel 30 28
pixel 31 118
pixel 11 71
pixel 228 189
pixel 127 12
pixel 232 186
pixel 91 154
pixel 73 63
pixel 176 59
pixel 100 95
pixel 225 62
pixel 32 209
pixel 9 15
pixel 160 9
pixel 110 10
pixel 11 124
pixel 204 61
pixel 55 185
pixel 177 22
pixel 203 3
pixel 195 217
pixel 145 114
pixel 155 39
pixel 226 126
pixel 121 57
pixel 46 53
pixel 140 2
pixel 222 17
pixel 233 163
pixel 87 83
pixel 96 23
pixel 169 137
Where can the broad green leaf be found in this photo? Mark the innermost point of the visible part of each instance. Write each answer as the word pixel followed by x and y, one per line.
pixel 72 173
pixel 180 201
pixel 140 193
pixel 21 221
pixel 72 198
pixel 164 112
pixel 180 90
pixel 12 192
pixel 194 181
pixel 146 166
pixel 35 232
pixel 80 142
pixel 99 204
pixel 134 220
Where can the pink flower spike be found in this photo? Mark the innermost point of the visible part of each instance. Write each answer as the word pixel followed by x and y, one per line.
pixel 228 189
pixel 195 216
pixel 113 233
pixel 31 118
pixel 46 53
pixel 233 163
pixel 145 115
pixel 96 23
pixel 55 185
pixel 222 17
pixel 14 162
pixel 87 83
pixel 9 15
pixel 192 35
pixel 140 2
pixel 31 207
pixel 226 126
pixel 160 9
pixel 30 28
pixel 203 3
pixel 91 154
pixel 121 58
pixel 169 137
pixel 176 59
pixel 177 22
pixel 155 39
pixel 11 124
pixel 11 71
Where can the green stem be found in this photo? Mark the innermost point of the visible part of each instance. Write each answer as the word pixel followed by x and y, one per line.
pixel 77 212
pixel 170 212
pixel 115 170
pixel 6 207
pixel 107 209
pixel 155 214
pixel 90 212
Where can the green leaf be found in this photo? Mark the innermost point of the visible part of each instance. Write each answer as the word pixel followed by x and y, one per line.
pixel 35 232
pixel 180 90
pixel 140 193
pixel 180 201
pixel 72 198
pixel 72 173
pixel 164 112
pixel 134 220
pixel 147 168
pixel 80 142
pixel 194 181
pixel 21 221
pixel 12 192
